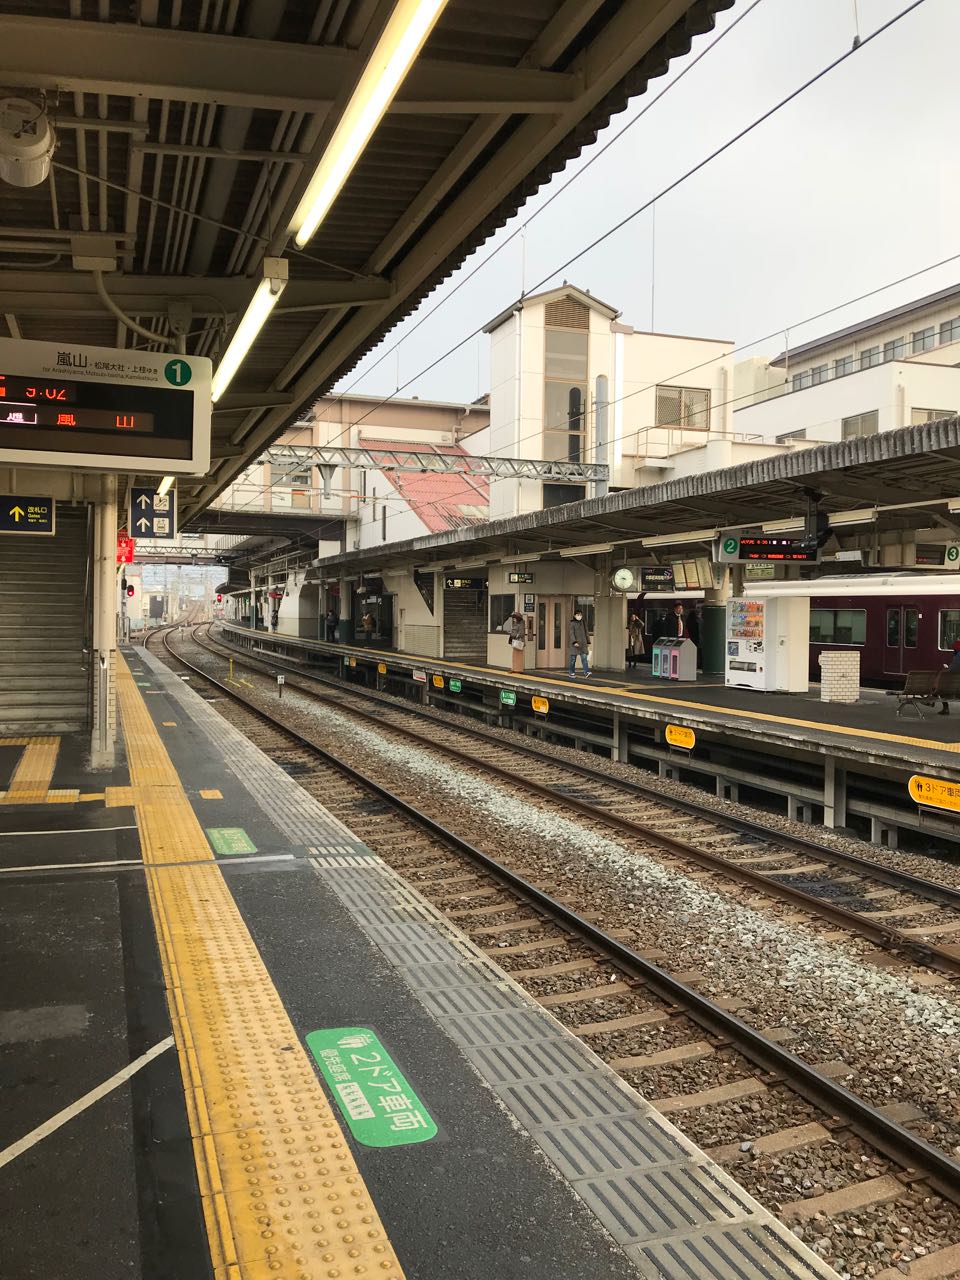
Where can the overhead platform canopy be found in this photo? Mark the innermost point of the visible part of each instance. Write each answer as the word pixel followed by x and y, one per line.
pixel 902 479
pixel 188 133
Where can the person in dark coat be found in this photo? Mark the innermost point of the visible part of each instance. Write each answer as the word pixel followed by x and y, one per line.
pixel 331 625
pixel 952 669
pixel 579 644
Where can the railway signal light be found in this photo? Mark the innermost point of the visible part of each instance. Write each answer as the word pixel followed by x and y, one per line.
pixel 131 590
pixel 219 598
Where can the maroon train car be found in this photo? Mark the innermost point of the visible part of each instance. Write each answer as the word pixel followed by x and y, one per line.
pixel 892 635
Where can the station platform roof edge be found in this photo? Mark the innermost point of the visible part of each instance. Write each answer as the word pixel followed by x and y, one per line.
pixel 902 474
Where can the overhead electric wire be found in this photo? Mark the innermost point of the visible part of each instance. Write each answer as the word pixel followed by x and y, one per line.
pixel 648 106
pixel 672 186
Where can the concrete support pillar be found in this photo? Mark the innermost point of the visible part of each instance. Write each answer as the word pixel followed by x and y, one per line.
pixel 103 742
pixel 834 794
pixel 883 833
pixel 345 629
pixel 610 633
pixel 727 790
pixel 799 810
pixel 252 615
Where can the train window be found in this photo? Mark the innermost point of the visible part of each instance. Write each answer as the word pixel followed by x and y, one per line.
pixel 911 619
pixel 893 628
pixel 838 626
pixel 949 627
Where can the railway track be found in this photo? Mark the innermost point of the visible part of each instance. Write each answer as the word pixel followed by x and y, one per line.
pixel 896 911
pixel 879 1171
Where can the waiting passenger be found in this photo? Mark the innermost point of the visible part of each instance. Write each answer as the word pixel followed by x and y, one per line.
pixel 635 645
pixel 952 669
pixel 331 625
pixel 579 644
pixel 369 624
pixel 516 630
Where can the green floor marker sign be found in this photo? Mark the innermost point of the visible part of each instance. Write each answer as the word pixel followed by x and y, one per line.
pixel 508 698
pixel 227 840
pixel 454 684
pixel 374 1096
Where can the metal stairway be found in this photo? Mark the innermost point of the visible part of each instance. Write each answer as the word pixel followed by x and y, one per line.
pixel 43 603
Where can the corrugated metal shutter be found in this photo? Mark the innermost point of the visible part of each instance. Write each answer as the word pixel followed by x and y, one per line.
pixel 567 313
pixel 43 607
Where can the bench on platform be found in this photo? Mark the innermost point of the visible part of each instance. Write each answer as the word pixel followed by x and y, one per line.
pixel 926 688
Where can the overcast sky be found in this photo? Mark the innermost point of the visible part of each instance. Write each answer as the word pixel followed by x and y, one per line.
pixel 854 184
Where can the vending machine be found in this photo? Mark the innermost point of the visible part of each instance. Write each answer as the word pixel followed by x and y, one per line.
pixel 768 643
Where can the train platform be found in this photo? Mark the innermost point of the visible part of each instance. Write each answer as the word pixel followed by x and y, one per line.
pixel 239 1046
pixel 827 762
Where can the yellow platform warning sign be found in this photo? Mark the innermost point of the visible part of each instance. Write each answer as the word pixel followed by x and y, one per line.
pixel 677 735
pixel 935 793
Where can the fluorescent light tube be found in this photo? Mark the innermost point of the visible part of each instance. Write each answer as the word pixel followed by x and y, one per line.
pixel 680 539
pixel 164 486
pixel 525 559
pixel 403 37
pixel 255 317
pixel 864 515
pixel 598 549
pixel 783 526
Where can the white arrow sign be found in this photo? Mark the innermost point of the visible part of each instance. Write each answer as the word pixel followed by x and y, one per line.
pixel 143 501
pixel 143 523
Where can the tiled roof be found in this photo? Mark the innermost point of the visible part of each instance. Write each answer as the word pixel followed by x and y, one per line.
pixel 442 500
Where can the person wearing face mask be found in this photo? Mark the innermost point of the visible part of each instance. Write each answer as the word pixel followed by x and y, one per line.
pixel 579 644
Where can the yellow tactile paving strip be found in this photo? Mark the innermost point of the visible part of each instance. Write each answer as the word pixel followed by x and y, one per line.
pixel 282 1196
pixel 682 704
pixel 33 775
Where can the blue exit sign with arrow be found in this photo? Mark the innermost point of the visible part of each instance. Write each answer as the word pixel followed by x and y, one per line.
pixel 153 515
pixel 22 514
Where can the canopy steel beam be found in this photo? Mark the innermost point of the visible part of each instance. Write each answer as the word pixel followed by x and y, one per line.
pixel 134 61
pixel 73 293
pixel 295 455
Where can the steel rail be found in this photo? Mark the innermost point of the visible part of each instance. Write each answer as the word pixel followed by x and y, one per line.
pixel 946 895
pixel 885 936
pixel 914 1154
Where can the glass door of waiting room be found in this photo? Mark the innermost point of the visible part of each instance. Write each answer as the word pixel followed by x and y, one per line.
pixel 551 641
pixel 900 640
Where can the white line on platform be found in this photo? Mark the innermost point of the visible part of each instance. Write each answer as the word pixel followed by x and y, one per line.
pixel 63 1117
pixel 72 866
pixel 68 831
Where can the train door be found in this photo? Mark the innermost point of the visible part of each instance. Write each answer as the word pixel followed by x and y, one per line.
pixel 900 640
pixel 551 641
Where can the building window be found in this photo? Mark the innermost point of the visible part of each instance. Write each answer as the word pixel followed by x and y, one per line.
pixel 555 495
pixel 801 380
pixel 896 349
pixel 565 394
pixel 838 626
pixel 843 366
pixel 950 330
pixel 922 340
pixel 820 374
pixel 861 424
pixel 501 608
pixel 918 416
pixel 799 434
pixel 683 407
pixel 870 357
